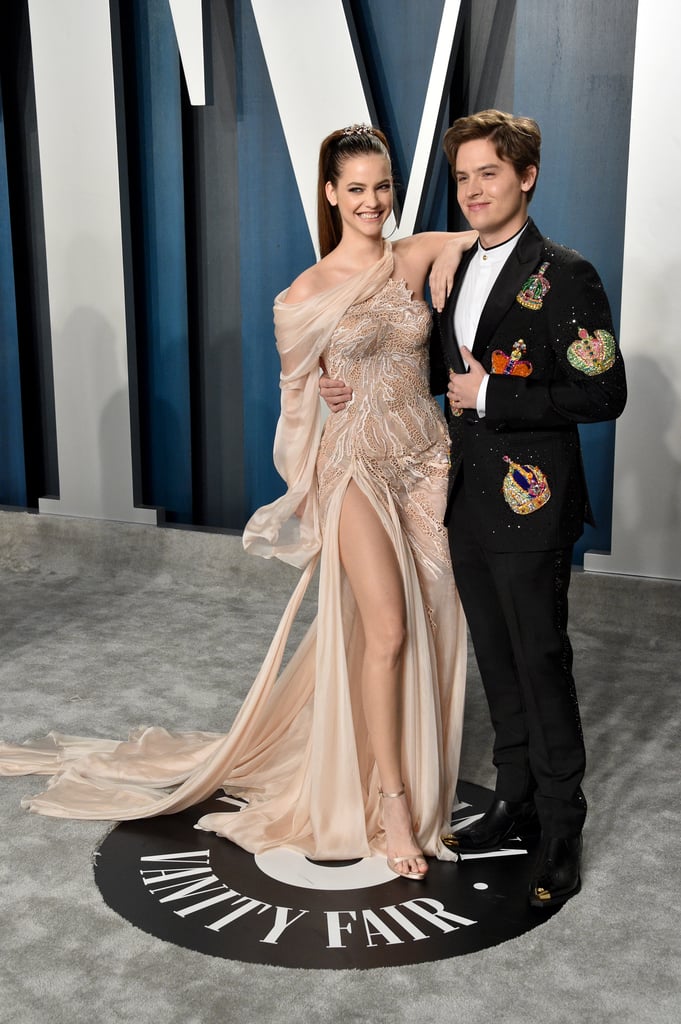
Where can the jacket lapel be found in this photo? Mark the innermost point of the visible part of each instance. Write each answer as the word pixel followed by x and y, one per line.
pixel 515 271
pixel 450 346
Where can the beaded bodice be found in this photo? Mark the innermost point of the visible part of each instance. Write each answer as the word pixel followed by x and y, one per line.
pixel 380 348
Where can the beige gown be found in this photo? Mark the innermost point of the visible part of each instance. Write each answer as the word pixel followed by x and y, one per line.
pixel 298 750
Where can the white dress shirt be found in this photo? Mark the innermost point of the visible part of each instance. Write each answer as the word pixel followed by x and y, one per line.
pixel 481 274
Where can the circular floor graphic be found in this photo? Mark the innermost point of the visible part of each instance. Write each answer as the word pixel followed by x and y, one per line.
pixel 202 892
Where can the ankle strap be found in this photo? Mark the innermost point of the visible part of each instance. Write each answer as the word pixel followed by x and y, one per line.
pixel 392 795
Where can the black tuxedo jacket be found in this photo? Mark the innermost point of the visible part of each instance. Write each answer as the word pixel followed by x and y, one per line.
pixel 521 462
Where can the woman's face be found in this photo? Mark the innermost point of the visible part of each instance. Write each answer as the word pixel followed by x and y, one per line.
pixel 363 194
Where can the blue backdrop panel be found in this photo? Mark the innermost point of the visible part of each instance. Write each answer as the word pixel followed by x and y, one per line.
pixel 275 248
pixel 213 276
pixel 12 474
pixel 162 334
pixel 577 84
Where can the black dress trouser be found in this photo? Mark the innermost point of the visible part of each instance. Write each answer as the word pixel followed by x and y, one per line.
pixel 516 607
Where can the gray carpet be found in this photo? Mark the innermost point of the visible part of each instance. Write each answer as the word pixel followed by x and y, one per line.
pixel 108 626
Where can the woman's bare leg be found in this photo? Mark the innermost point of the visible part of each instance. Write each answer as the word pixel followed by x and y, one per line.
pixel 370 563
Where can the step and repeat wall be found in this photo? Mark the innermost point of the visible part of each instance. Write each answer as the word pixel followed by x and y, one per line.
pixel 157 189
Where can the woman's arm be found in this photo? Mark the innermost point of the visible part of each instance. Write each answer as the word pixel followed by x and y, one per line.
pixel 446 263
pixel 436 252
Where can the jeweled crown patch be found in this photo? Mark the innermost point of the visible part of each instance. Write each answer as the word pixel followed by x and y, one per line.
pixel 513 365
pixel 525 489
pixel 531 295
pixel 592 353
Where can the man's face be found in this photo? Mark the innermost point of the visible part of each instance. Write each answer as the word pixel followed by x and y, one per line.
pixel 491 194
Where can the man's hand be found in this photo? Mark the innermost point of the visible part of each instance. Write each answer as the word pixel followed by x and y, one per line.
pixel 463 389
pixel 335 393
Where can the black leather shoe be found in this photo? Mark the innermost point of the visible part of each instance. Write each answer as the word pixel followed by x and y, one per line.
pixel 556 875
pixel 501 821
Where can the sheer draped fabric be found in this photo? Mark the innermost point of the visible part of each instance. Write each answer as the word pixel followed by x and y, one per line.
pixel 298 750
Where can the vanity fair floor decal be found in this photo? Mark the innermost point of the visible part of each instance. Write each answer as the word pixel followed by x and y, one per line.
pixel 202 892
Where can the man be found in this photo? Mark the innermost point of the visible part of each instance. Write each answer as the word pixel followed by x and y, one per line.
pixel 526 351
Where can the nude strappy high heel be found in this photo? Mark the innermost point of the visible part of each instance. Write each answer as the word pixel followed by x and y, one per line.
pixel 417 876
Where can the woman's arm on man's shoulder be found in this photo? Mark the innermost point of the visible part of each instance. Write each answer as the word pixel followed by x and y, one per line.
pixel 437 253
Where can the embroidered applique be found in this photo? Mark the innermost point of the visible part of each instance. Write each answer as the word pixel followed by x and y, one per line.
pixel 513 365
pixel 531 295
pixel 526 488
pixel 592 353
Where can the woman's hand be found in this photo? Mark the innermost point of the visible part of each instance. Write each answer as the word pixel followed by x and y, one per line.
pixel 335 393
pixel 446 264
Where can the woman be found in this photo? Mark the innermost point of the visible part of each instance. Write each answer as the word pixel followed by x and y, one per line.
pixel 362 729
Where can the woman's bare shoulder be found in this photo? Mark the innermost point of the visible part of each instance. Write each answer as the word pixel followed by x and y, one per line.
pixel 313 281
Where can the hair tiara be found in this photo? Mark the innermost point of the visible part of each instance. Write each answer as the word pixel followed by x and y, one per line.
pixel 358 129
